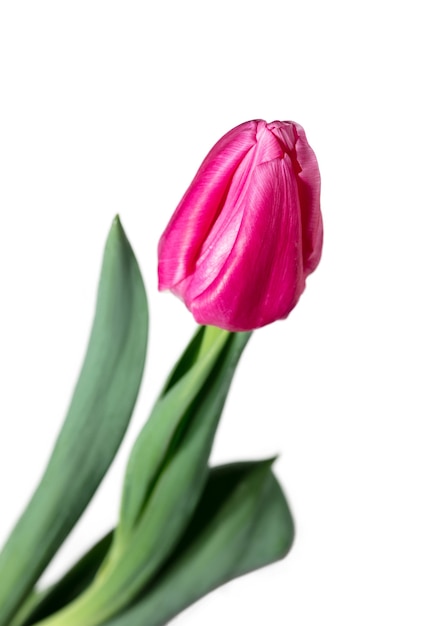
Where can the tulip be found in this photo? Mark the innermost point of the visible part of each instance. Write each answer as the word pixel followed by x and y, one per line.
pixel 248 230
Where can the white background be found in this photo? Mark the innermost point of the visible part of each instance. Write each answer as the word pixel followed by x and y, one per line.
pixel 109 107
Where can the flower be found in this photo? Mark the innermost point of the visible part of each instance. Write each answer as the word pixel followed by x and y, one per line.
pixel 248 230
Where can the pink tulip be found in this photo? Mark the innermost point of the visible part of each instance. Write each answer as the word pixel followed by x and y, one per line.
pixel 248 230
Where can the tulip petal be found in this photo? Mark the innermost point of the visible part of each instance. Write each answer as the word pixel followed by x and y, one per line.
pixel 309 190
pixel 293 137
pixel 220 240
pixel 192 221
pixel 262 278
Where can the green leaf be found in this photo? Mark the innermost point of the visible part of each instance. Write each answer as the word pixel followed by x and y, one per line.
pixel 41 604
pixel 191 406
pixel 160 436
pixel 242 523
pixel 97 418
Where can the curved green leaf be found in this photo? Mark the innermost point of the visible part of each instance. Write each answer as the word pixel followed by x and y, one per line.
pixel 242 523
pixel 97 419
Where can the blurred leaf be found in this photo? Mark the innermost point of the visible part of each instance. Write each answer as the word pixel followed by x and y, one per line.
pixel 242 523
pixel 98 416
pixel 41 604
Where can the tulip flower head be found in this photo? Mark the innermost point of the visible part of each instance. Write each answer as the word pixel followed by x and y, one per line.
pixel 248 230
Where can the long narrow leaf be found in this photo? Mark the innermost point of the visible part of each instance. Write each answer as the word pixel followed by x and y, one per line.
pixel 98 416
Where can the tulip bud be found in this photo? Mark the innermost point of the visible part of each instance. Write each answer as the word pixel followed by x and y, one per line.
pixel 248 230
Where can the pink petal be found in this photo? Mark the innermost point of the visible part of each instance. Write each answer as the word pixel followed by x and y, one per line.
pixel 180 244
pixel 262 279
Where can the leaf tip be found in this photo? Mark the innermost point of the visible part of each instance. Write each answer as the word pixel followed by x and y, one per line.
pixel 117 224
pixel 117 232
